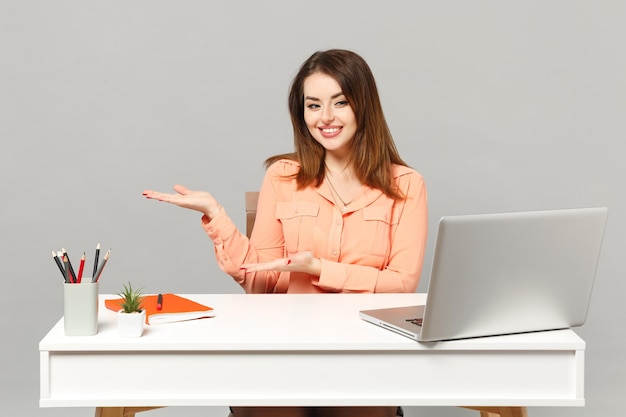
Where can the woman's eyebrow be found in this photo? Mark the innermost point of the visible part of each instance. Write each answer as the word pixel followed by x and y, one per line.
pixel 334 96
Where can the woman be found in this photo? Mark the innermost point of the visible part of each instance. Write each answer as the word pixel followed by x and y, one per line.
pixel 343 213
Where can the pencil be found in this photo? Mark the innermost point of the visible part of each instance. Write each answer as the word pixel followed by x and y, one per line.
pixel 80 268
pixel 59 264
pixel 66 262
pixel 95 262
pixel 101 267
pixel 72 274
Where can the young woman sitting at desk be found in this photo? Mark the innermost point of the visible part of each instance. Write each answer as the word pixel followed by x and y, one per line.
pixel 343 213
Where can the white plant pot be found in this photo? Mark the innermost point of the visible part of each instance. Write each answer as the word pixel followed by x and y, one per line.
pixel 130 324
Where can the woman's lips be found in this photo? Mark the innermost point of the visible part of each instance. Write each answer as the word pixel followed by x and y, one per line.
pixel 330 131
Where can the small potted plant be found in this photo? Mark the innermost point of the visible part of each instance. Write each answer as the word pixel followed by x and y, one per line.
pixel 131 317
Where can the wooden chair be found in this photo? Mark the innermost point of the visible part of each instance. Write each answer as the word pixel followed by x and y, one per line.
pixel 252 199
pixel 501 411
pixel 121 411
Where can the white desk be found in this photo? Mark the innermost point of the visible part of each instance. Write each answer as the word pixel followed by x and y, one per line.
pixel 304 349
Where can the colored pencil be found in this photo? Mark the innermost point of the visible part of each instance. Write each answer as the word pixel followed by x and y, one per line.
pixel 101 267
pixel 95 262
pixel 80 268
pixel 66 262
pixel 72 274
pixel 59 264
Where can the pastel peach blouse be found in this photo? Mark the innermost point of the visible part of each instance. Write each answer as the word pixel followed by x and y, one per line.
pixel 376 245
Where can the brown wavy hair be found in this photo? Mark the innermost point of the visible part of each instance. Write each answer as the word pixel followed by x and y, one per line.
pixel 373 148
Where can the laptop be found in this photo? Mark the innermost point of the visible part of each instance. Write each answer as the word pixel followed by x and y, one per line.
pixel 505 273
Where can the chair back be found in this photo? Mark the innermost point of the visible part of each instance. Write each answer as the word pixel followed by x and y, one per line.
pixel 252 198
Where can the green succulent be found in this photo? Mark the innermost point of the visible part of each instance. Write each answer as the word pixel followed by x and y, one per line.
pixel 131 299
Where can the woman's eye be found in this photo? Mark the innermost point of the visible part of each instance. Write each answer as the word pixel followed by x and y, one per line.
pixel 342 103
pixel 312 106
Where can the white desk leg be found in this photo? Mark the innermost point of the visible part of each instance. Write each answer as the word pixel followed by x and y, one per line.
pixel 121 411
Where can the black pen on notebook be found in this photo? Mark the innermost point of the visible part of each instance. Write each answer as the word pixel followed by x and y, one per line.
pixel 96 277
pixel 159 302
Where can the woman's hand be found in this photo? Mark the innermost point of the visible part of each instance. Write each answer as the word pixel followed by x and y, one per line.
pixel 194 200
pixel 298 262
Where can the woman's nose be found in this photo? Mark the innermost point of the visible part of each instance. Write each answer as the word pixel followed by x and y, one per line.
pixel 327 114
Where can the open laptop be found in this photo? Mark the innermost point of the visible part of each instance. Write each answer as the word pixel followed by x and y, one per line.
pixel 495 274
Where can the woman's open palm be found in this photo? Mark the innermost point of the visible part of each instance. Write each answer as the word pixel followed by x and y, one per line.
pixel 201 201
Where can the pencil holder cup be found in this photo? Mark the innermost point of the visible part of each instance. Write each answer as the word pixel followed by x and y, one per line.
pixel 80 308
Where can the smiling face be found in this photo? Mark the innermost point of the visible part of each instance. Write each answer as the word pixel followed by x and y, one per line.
pixel 328 115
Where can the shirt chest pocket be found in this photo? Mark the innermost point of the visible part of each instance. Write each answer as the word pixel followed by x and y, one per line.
pixel 299 219
pixel 378 224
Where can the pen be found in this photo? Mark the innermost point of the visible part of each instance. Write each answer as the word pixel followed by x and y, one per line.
pixel 59 264
pixel 80 268
pixel 69 263
pixel 159 302
pixel 96 277
pixel 95 262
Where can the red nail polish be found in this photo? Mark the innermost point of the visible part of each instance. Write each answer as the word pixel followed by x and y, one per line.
pixel 288 261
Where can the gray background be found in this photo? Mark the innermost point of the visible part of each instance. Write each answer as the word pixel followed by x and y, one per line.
pixel 502 105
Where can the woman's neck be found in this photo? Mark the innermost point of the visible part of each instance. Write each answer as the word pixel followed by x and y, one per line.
pixel 336 166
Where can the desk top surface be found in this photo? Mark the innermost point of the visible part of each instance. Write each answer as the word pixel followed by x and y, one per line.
pixel 288 322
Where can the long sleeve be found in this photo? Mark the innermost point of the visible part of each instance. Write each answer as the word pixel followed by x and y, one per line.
pixel 233 248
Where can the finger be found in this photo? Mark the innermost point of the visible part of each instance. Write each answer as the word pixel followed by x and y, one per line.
pixel 168 198
pixel 275 265
pixel 181 189
pixel 252 267
pixel 148 193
